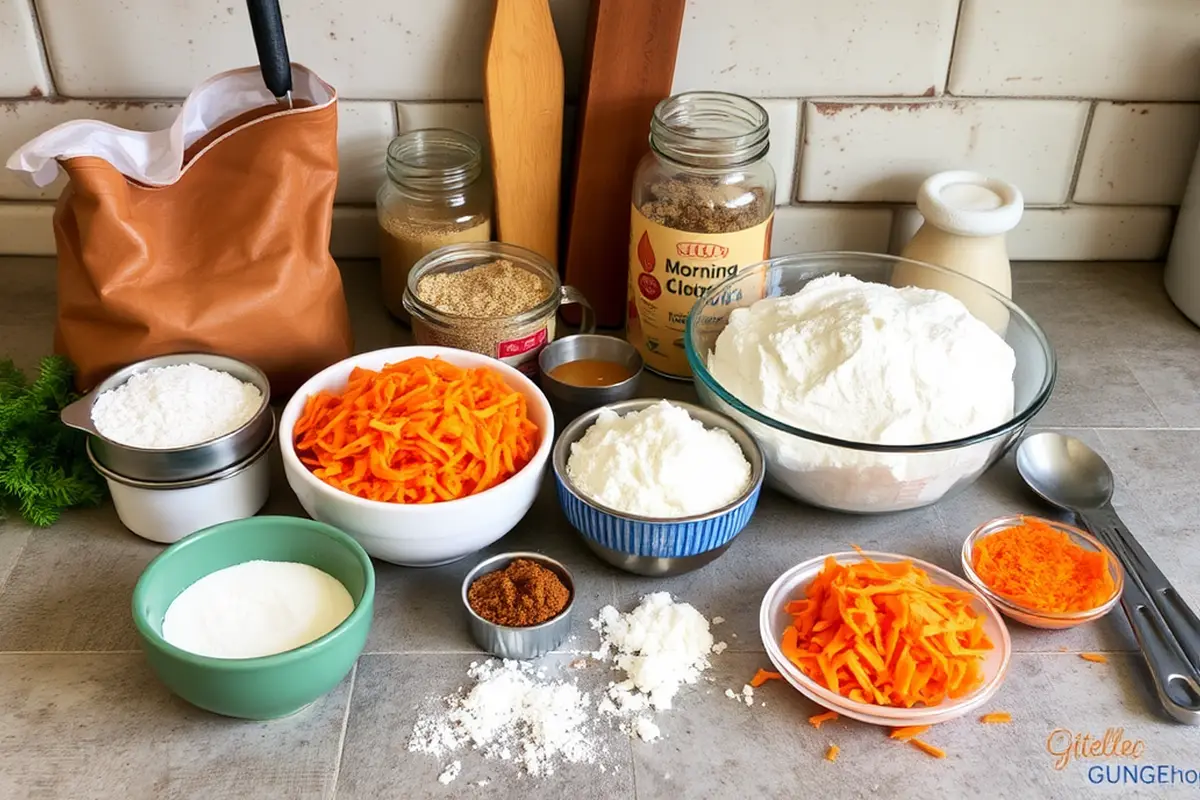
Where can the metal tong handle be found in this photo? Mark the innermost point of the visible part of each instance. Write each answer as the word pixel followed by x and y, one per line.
pixel 1168 634
pixel 266 21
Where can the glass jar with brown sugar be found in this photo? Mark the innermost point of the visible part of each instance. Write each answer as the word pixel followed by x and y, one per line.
pixel 434 195
pixel 703 204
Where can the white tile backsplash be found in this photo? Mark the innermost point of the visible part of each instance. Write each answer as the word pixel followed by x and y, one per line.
pixel 21 121
pixel 880 151
pixel 466 117
pixel 364 130
pixel 784 116
pixel 1076 233
pixel 355 232
pixel 1006 87
pixel 1139 153
pixel 27 229
pixel 795 48
pixel 1109 49
pixel 22 70
pixel 368 49
pixel 810 228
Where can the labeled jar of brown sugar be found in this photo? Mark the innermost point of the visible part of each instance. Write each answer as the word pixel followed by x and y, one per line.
pixel 491 298
pixel 703 204
pixel 433 196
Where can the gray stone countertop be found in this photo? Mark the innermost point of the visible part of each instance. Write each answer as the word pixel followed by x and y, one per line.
pixel 81 715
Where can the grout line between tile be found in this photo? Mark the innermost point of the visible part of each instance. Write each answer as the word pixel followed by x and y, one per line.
pixel 68 652
pixel 424 653
pixel 953 46
pixel 1145 391
pixel 341 748
pixel 4 576
pixel 1083 143
pixel 43 48
pixel 633 770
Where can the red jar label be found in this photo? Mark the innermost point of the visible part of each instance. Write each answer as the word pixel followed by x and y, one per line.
pixel 522 353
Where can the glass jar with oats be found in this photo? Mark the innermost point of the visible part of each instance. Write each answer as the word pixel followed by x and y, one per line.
pixel 491 298
pixel 703 204
pixel 433 196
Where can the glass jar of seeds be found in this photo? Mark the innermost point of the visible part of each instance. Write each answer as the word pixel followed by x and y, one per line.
pixel 703 205
pixel 491 298
pixel 433 196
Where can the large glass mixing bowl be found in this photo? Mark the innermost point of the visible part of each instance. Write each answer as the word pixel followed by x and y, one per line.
pixel 863 477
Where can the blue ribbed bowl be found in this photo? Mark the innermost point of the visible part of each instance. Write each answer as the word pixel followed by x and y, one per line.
pixel 648 545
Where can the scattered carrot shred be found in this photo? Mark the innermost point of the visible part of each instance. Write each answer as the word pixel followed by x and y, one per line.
pixel 832 753
pixel 1037 566
pixel 817 720
pixel 909 732
pixel 1095 658
pixel 418 431
pixel 925 747
pixel 762 676
pixel 996 718
pixel 886 634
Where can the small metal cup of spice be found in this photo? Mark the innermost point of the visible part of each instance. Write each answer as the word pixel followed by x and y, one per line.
pixel 519 604
pixel 491 298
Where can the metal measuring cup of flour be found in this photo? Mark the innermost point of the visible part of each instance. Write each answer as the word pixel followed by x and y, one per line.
pixel 519 643
pixel 179 463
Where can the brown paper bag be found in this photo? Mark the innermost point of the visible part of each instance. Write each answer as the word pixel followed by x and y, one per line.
pixel 210 236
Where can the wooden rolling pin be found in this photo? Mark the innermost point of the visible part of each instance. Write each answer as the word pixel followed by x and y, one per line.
pixel 523 102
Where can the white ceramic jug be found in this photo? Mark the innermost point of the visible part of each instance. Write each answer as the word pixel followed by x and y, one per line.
pixel 966 216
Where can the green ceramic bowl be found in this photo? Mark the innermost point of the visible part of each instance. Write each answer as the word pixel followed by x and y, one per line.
pixel 270 686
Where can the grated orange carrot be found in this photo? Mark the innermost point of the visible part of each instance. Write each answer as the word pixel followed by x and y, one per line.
pixel 906 733
pixel 886 634
pixel 1040 567
pixel 925 747
pixel 996 718
pixel 817 720
pixel 1095 658
pixel 762 676
pixel 832 753
pixel 418 431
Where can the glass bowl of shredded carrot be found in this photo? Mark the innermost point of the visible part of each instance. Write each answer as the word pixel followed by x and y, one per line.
pixel 423 454
pixel 884 639
pixel 1041 572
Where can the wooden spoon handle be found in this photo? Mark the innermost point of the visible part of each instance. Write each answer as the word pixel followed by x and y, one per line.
pixel 523 102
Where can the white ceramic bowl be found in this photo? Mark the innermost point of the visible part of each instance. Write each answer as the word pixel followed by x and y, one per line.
pixel 419 535
pixel 773 619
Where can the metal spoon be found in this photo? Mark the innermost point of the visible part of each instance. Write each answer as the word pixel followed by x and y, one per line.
pixel 1067 473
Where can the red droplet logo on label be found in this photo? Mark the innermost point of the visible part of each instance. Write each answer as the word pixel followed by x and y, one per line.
pixel 649 286
pixel 645 253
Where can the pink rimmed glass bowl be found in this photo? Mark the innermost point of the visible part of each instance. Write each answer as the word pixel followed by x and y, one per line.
pixel 791 585
pixel 1034 617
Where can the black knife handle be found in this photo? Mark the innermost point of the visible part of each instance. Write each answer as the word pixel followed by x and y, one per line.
pixel 267 23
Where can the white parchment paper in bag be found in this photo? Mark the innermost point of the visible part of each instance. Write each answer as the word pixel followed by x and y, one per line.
pixel 156 158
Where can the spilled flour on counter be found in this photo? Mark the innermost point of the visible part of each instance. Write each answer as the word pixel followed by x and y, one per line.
pixel 660 646
pixel 513 712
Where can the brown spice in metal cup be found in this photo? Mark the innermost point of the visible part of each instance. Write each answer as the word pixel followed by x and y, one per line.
pixel 522 594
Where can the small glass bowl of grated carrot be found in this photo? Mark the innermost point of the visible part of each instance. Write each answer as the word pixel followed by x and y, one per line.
pixel 1042 573
pixel 884 638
